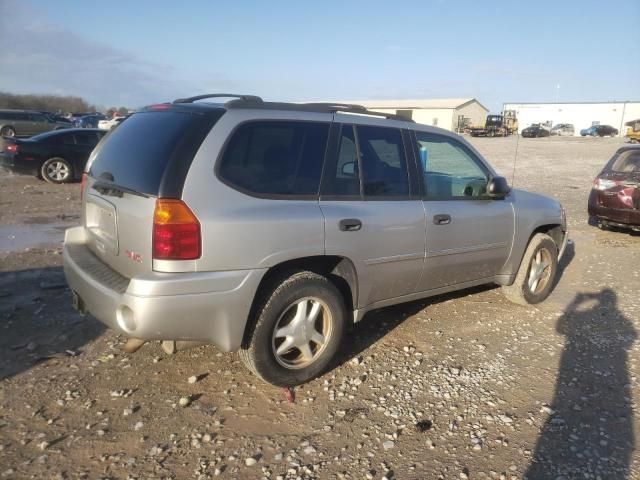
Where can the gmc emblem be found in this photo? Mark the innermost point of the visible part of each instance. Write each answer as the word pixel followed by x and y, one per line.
pixel 136 257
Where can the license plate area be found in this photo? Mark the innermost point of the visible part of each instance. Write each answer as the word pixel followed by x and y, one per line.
pixel 102 224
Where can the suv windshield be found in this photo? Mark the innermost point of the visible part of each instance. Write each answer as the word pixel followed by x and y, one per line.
pixel 141 150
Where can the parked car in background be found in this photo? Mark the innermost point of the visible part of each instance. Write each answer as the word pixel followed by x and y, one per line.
pixel 25 123
pixel 614 200
pixel 89 121
pixel 599 131
pixel 110 123
pixel 342 199
pixel 563 129
pixel 57 157
pixel 57 118
pixel 535 131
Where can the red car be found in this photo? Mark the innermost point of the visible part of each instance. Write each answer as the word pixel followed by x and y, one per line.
pixel 615 198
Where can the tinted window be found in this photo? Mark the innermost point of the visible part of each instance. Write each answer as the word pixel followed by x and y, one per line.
pixel 383 162
pixel 276 158
pixel 344 178
pixel 137 153
pixel 450 169
pixel 8 115
pixel 86 138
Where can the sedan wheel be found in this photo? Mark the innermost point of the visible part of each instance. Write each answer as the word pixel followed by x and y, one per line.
pixel 56 170
pixel 7 132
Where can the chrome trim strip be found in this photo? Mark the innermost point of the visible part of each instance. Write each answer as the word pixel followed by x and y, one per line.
pixel 473 248
pixel 395 258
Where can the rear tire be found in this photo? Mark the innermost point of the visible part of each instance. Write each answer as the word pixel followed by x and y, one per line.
pixel 299 323
pixel 56 170
pixel 7 132
pixel 537 273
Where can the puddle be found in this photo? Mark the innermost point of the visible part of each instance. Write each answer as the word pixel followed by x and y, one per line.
pixel 14 238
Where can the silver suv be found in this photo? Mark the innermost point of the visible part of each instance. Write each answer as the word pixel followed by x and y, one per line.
pixel 269 228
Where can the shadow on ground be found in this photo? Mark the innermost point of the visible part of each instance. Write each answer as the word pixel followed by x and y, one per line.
pixel 37 321
pixel 590 425
pixel 379 323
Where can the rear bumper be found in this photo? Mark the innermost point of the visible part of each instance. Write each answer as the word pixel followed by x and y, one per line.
pixel 208 307
pixel 615 216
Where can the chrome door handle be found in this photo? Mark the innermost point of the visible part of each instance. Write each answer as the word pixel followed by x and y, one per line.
pixel 442 219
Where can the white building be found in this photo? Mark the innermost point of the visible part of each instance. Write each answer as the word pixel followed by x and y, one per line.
pixel 580 115
pixel 447 113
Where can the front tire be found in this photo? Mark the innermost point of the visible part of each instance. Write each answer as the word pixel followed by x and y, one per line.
pixel 537 273
pixel 299 324
pixel 56 170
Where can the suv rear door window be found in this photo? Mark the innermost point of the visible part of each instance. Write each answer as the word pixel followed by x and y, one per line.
pixel 137 154
pixel 383 162
pixel 275 158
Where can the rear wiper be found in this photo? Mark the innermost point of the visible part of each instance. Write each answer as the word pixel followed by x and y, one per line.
pixel 113 190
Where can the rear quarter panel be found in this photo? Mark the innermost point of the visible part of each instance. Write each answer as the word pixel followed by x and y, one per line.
pixel 240 231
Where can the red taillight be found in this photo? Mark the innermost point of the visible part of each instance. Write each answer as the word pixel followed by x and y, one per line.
pixel 83 184
pixel 12 148
pixel 176 231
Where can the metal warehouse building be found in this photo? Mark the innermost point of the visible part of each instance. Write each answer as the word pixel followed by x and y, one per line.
pixel 448 113
pixel 580 115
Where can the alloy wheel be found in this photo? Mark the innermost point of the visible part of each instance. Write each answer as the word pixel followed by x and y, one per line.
pixel 301 333
pixel 539 271
pixel 57 171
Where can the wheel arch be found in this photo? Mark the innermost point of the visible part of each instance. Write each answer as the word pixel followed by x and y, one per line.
pixel 339 270
pixel 554 230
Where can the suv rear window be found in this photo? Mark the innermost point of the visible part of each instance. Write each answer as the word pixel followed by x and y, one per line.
pixel 275 158
pixel 627 162
pixel 150 146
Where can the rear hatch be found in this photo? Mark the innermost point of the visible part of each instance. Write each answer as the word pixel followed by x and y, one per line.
pixel 144 158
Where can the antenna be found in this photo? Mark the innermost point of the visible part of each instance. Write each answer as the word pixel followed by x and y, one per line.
pixel 515 159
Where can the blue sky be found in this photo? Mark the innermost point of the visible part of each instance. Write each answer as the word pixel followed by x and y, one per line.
pixel 130 53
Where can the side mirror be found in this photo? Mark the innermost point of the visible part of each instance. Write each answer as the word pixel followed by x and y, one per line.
pixel 498 187
pixel 349 169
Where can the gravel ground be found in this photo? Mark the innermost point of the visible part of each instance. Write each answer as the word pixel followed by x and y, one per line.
pixel 459 386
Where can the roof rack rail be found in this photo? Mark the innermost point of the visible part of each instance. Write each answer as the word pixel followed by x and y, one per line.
pixel 251 98
pixel 316 107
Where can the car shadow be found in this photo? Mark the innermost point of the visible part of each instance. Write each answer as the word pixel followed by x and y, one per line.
pixel 565 261
pixel 379 323
pixel 37 321
pixel 590 424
